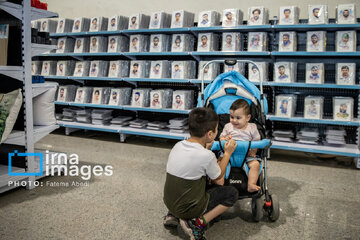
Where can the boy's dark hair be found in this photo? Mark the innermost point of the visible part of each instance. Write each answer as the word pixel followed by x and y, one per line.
pixel 202 120
pixel 241 103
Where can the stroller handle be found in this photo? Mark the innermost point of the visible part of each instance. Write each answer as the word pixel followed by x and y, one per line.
pixel 230 62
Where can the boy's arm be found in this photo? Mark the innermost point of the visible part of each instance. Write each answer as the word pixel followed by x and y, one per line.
pixel 229 147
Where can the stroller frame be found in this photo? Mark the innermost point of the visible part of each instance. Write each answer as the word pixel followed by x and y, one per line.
pixel 271 202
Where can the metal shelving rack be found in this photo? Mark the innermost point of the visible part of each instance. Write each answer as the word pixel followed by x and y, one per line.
pixel 25 13
pixel 271 56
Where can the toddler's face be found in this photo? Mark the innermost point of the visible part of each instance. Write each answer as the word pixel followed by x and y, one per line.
pixel 238 118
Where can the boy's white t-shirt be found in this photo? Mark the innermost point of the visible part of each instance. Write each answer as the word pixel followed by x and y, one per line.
pixel 192 161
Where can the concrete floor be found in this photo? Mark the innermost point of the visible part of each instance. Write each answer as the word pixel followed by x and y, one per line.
pixel 319 199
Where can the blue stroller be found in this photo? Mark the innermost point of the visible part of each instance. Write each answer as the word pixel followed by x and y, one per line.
pixel 219 95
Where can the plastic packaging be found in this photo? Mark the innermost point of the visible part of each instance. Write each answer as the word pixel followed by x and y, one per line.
pixel 81 25
pixel 65 68
pixel 139 43
pixel 117 23
pixel 160 43
pixel 183 69
pixel 36 67
pixel 345 73
pixel 160 20
pixel 160 69
pixel 315 73
pixel 257 42
pixel 232 42
pixel 238 67
pixel 82 45
pixel 118 69
pixel 98 44
pixel 161 98
pixel 318 14
pixel 182 19
pixel 48 68
pixel 209 19
pixel 48 25
pixel 65 45
pixel 183 99
pixel 313 107
pixel 287 42
pixel 138 21
pixel 83 95
pixel 258 16
pixel 261 71
pixel 316 41
pixel 139 69
pixel 100 95
pixel 346 41
pixel 66 93
pixel 120 96
pixel 285 72
pixel 210 72
pixel 118 44
pixel 182 43
pixel 232 17
pixel 343 108
pixel 98 68
pixel 346 14
pixel 140 97
pixel 285 105
pixel 98 24
pixel 289 15
pixel 208 42
pixel 64 25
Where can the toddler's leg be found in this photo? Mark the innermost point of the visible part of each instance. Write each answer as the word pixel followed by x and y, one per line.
pixel 254 167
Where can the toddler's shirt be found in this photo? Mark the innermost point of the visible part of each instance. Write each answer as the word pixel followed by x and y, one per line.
pixel 251 132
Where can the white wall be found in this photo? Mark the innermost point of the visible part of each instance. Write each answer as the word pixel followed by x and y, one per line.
pixel 92 8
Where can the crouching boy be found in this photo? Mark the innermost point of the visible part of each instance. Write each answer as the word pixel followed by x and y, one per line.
pixel 190 162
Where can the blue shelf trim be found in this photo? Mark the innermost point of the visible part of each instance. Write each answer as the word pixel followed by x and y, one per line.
pixel 316 121
pixel 317 54
pixel 162 30
pixel 156 110
pixel 151 134
pixel 167 80
pixel 61 103
pixel 306 85
pixel 218 53
pixel 89 128
pixel 156 53
pixel 234 29
pixel 96 78
pixel 310 150
pixel 310 27
pixel 56 77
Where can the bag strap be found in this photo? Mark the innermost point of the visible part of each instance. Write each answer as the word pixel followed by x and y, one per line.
pixel 247 152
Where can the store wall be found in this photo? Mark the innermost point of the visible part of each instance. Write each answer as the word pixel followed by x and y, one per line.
pixel 91 8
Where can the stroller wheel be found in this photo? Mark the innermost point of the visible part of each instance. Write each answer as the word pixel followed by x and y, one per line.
pixel 274 211
pixel 257 206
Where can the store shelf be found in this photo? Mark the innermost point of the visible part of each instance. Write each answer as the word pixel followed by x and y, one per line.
pixel 15 72
pixel 231 54
pixel 147 109
pixel 350 150
pixel 5 178
pixel 129 108
pixel 38 49
pixel 85 34
pixel 355 122
pixel 316 54
pixel 17 9
pixel 96 79
pixel 125 130
pixel 322 27
pixel 165 80
pixel 145 54
pixel 103 54
pixel 18 137
pixel 153 31
pixel 241 28
pixel 306 85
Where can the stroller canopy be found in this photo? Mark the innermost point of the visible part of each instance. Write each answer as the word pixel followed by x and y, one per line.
pixel 228 87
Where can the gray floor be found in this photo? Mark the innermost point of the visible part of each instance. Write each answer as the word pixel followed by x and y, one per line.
pixel 319 199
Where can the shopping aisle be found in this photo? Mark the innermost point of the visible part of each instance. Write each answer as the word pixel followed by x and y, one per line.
pixel 317 202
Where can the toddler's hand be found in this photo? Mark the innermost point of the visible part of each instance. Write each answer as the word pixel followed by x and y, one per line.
pixel 230 146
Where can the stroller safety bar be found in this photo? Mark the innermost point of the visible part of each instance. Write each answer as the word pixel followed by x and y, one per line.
pixel 243 145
